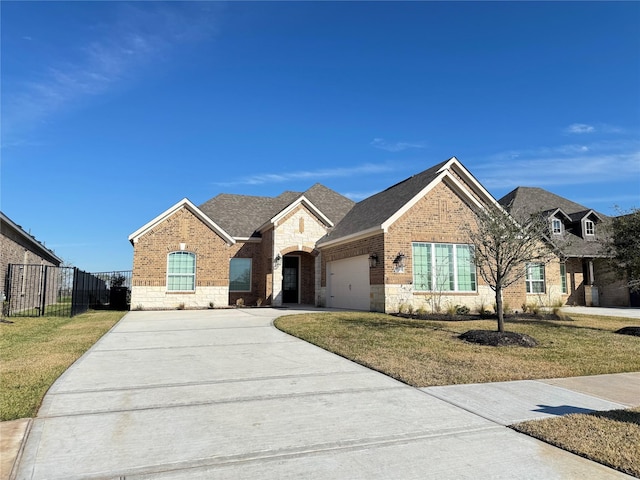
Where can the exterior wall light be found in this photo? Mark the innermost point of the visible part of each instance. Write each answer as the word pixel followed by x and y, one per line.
pixel 276 262
pixel 398 263
pixel 373 260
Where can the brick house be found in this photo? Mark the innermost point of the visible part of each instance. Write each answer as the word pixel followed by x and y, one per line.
pixel 20 247
pixel 405 246
pixel 578 231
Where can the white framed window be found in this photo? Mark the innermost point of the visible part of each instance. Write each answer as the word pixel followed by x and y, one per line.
pixel 534 278
pixel 240 275
pixel 589 227
pixel 563 277
pixel 556 226
pixel 443 267
pixel 181 272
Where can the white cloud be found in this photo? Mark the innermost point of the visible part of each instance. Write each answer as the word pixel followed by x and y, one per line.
pixel 141 36
pixel 562 165
pixel 312 175
pixel 382 144
pixel 580 128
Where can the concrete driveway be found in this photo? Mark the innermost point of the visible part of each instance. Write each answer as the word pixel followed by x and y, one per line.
pixel 223 394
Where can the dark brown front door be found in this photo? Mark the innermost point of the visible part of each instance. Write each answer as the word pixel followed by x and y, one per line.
pixel 290 269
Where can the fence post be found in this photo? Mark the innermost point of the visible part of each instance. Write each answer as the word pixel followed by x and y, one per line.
pixel 43 290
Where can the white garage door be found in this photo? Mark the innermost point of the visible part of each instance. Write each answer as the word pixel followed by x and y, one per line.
pixel 348 283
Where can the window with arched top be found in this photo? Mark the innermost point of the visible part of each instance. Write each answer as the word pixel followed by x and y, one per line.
pixel 181 272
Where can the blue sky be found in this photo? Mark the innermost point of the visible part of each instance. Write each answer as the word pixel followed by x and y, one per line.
pixel 112 111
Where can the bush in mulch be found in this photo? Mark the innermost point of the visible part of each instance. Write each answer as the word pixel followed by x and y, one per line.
pixel 498 339
pixel 629 331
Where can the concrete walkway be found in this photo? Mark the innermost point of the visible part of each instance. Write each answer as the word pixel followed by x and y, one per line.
pixel 223 394
pixel 623 312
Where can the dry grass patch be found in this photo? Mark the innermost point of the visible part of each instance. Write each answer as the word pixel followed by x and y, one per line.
pixel 34 352
pixel 611 438
pixel 424 352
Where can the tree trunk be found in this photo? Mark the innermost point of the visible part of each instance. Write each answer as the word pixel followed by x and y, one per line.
pixel 499 308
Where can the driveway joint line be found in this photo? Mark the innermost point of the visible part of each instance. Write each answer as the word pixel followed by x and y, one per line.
pixel 288 453
pixel 211 382
pixel 239 399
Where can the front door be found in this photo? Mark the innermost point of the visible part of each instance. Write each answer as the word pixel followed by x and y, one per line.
pixel 290 269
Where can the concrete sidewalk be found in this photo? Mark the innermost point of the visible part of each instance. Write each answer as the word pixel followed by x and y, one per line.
pixel 622 312
pixel 223 394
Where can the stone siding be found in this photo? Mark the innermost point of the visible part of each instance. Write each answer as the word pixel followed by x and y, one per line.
pixel 298 231
pixel 157 298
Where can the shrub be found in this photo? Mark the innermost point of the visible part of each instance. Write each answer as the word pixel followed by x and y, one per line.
pixel 180 306
pixel 451 309
pixel 533 308
pixel 462 310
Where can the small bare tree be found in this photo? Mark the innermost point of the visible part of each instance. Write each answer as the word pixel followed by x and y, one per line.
pixel 503 244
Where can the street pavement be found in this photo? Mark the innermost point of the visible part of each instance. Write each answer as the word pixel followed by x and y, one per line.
pixel 223 394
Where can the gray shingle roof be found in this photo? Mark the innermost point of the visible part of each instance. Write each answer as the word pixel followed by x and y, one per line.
pixel 525 201
pixel 375 210
pixel 242 215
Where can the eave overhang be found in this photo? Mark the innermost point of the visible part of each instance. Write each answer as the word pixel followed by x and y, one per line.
pixel 184 203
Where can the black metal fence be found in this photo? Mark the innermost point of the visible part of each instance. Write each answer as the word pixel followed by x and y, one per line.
pixel 43 290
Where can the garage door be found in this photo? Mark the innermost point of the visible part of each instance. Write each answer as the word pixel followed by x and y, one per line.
pixel 348 283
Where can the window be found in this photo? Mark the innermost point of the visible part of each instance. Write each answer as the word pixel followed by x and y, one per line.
pixel 556 226
pixel 443 267
pixel 563 277
pixel 589 227
pixel 535 277
pixel 240 275
pixel 181 272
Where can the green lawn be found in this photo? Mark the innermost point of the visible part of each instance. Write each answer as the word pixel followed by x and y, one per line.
pixel 423 353
pixel 34 352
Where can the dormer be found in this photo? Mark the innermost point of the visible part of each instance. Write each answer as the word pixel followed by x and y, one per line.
pixel 586 221
pixel 558 220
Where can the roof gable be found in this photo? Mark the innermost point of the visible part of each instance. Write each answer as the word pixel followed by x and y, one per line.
pixel 246 216
pixel 378 212
pixel 184 203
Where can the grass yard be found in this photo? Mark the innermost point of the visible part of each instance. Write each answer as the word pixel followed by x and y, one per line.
pixel 424 353
pixel 583 434
pixel 34 352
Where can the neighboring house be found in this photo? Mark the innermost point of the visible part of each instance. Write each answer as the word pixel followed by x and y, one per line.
pixel 405 247
pixel 20 247
pixel 579 233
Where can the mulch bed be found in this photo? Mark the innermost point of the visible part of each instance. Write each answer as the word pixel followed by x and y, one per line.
pixel 498 339
pixel 444 317
pixel 629 331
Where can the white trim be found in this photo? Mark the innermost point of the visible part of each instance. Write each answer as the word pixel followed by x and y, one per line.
pixel 454 165
pixel 195 260
pixel 445 174
pixel 133 238
pixel 410 204
pixel 591 212
pixel 292 206
pixel 349 238
pixel 588 222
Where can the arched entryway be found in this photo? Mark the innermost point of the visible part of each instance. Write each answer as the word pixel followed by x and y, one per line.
pixel 298 278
